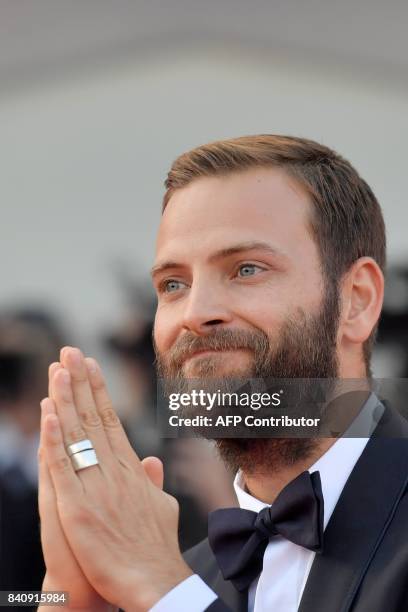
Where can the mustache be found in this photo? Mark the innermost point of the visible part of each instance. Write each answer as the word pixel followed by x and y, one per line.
pixel 220 340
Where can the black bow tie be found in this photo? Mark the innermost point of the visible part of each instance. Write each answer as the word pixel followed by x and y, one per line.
pixel 239 537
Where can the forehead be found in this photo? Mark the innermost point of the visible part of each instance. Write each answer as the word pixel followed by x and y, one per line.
pixel 211 213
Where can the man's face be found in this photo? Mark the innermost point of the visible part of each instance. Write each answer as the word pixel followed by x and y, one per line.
pixel 240 289
pixel 236 254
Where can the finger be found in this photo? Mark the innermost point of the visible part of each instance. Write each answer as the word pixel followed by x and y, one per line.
pixel 62 352
pixel 115 433
pixel 67 485
pixel 50 524
pixel 46 492
pixel 73 432
pixel 47 407
pixel 62 396
pixel 85 411
pixel 154 470
pixel 72 426
pixel 51 371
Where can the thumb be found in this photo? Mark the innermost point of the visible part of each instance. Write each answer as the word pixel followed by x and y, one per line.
pixel 153 468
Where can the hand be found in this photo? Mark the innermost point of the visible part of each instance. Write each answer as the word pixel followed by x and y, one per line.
pixel 119 524
pixel 63 572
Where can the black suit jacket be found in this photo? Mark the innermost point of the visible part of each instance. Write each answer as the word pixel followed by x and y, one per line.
pixel 364 565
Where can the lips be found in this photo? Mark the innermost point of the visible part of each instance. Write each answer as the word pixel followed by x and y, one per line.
pixel 209 352
pixel 202 353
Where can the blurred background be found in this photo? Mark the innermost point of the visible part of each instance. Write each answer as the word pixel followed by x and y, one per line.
pixel 96 100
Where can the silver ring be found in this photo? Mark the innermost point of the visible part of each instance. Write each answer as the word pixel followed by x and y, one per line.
pixel 84 459
pixel 78 447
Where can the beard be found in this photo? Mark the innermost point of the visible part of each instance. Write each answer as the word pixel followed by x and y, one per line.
pixel 305 348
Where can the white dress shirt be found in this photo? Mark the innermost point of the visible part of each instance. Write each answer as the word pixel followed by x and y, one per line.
pixel 286 566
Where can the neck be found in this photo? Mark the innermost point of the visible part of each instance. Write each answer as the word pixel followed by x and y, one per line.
pixel 266 487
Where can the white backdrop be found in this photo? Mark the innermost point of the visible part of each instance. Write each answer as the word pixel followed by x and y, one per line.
pixel 83 160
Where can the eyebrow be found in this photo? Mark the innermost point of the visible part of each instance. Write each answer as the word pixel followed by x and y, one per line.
pixel 223 253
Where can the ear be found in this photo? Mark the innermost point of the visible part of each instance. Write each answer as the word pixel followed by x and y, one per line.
pixel 362 299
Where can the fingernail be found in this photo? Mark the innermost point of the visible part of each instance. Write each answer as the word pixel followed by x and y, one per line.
pixel 91 365
pixel 76 357
pixel 62 351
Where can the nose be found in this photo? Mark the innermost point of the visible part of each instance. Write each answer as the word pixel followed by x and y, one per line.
pixel 205 309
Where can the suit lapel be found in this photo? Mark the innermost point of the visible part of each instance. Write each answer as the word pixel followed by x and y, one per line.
pixel 202 560
pixel 360 519
pixel 238 602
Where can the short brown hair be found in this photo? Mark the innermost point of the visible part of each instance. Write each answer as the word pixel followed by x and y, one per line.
pixel 347 221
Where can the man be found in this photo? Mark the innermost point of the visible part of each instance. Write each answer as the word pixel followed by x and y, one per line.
pixel 270 259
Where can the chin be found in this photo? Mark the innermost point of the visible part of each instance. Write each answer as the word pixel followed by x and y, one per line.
pixel 264 456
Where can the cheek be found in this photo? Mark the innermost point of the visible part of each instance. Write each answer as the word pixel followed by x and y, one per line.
pixel 265 313
pixel 269 322
pixel 164 330
pixel 268 306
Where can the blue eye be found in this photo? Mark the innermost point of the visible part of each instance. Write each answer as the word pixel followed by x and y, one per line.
pixel 171 285
pixel 247 270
